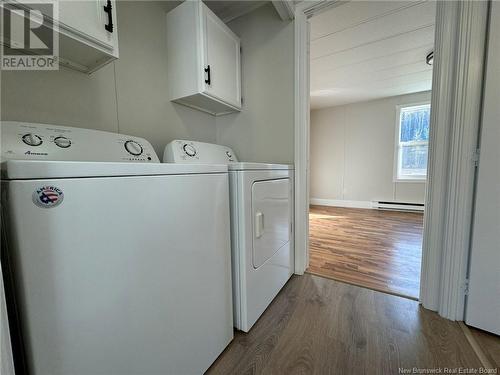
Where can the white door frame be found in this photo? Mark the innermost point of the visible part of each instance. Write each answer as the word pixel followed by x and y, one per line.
pixel 303 11
pixel 456 103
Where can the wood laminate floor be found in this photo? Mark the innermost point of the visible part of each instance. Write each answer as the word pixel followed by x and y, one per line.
pixel 380 250
pixel 489 344
pixel 321 326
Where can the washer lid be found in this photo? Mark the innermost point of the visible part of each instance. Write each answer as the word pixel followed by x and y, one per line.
pixel 245 166
pixel 41 169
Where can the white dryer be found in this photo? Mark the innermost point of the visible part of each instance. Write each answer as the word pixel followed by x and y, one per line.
pixel 261 225
pixel 116 267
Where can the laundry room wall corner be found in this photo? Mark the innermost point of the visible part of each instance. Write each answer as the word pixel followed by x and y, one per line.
pixel 264 130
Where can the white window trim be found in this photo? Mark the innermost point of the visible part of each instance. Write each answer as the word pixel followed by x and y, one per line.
pixel 417 178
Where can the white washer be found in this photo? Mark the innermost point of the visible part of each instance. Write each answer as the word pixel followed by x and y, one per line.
pixel 115 267
pixel 261 225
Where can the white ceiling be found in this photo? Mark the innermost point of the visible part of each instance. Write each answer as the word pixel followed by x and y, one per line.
pixel 228 10
pixel 364 50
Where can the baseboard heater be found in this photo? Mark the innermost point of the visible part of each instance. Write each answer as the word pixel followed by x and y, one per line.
pixel 397 206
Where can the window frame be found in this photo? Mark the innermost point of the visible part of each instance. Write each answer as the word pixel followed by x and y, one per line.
pixel 406 179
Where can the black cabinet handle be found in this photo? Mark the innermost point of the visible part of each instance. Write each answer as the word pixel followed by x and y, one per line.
pixel 207 70
pixel 107 9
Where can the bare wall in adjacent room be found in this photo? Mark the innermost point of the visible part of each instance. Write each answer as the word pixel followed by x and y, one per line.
pixel 263 131
pixel 127 96
pixel 352 152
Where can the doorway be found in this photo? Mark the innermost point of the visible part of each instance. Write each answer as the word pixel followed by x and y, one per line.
pixel 456 101
pixel 370 84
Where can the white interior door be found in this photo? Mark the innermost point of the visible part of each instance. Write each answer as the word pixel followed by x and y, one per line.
pixel 483 301
pixel 222 56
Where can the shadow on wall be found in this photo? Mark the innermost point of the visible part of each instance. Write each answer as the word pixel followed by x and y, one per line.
pixel 264 130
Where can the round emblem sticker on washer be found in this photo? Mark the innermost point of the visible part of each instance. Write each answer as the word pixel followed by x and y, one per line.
pixel 48 196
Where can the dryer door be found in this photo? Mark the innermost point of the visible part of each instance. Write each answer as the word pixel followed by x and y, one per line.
pixel 271 209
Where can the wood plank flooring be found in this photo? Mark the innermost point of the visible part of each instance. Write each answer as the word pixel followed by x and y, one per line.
pixel 321 326
pixel 377 249
pixel 489 345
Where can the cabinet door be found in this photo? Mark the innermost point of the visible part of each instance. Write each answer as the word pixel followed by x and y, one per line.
pixel 222 58
pixel 88 18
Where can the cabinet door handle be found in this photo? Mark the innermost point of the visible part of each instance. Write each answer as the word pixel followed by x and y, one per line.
pixel 107 9
pixel 207 70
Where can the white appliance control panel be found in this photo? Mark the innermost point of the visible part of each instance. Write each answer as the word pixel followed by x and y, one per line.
pixel 22 140
pixel 182 151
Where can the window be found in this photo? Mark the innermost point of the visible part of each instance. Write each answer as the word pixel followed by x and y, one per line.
pixel 412 142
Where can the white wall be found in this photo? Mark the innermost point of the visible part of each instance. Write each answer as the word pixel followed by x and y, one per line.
pixel 130 95
pixel 352 152
pixel 127 96
pixel 264 130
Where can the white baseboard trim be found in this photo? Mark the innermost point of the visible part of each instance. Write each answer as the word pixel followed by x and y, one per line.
pixel 341 203
pixel 398 206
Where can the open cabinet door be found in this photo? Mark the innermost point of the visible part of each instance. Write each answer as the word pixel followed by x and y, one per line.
pixel 483 301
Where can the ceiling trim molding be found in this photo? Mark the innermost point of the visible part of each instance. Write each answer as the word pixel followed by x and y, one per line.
pixel 311 8
pixel 230 16
pixel 284 9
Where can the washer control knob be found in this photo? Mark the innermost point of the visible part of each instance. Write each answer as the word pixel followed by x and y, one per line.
pixel 189 150
pixel 32 139
pixel 62 142
pixel 133 148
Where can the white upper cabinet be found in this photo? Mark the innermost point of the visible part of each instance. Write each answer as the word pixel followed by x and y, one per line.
pixel 92 19
pixel 203 60
pixel 87 31
pixel 222 56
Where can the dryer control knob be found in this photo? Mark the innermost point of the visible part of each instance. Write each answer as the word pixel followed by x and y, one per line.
pixel 189 150
pixel 133 148
pixel 32 139
pixel 62 142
